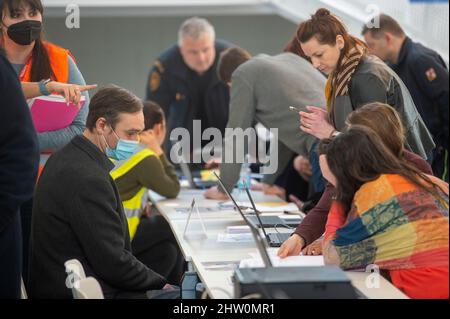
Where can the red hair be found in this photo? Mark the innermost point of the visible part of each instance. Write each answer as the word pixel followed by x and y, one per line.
pixel 325 27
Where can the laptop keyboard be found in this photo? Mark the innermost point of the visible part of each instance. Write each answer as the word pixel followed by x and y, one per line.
pixel 278 238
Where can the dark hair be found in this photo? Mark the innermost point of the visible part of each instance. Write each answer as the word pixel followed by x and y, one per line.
pixel 325 27
pixel 384 120
pixel 41 67
pixel 229 61
pixel 387 24
pixel 359 156
pixel 153 114
pixel 109 102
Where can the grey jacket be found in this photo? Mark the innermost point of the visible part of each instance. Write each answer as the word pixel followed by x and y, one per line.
pixel 374 81
pixel 262 91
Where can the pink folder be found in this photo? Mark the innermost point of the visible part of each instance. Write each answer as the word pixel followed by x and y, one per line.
pixel 51 113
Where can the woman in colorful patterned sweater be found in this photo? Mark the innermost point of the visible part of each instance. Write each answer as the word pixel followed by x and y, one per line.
pixel 397 216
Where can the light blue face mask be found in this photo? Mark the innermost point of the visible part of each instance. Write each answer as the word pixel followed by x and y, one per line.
pixel 124 149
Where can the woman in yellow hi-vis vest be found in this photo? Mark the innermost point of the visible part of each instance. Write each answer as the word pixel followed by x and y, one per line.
pixel 147 168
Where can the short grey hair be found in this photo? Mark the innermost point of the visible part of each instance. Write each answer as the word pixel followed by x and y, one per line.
pixel 194 28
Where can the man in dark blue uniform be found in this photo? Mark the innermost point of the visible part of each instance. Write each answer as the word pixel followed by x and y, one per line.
pixel 184 80
pixel 425 74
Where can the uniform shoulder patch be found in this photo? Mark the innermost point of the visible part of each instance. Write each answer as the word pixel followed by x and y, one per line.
pixel 431 74
pixel 155 81
pixel 160 66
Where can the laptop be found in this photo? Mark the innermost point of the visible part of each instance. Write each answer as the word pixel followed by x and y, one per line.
pixel 273 239
pixel 193 182
pixel 259 221
pixel 260 242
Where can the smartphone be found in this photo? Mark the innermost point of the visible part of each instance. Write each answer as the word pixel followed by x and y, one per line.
pixel 294 109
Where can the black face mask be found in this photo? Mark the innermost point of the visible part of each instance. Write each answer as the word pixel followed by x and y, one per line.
pixel 25 32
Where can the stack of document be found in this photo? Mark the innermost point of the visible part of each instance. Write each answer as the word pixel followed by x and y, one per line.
pixel 52 113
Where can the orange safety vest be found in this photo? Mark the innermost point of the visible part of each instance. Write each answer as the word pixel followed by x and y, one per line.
pixel 59 62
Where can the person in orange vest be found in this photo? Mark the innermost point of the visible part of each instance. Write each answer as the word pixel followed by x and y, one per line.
pixel 38 63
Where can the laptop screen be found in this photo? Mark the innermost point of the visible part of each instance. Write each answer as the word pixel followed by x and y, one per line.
pixel 260 242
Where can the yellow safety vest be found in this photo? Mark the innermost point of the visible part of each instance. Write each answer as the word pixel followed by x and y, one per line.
pixel 134 206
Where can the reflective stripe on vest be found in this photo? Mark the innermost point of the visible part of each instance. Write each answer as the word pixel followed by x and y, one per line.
pixel 134 206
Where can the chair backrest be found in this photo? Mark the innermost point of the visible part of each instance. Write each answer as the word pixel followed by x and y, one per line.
pixel 74 267
pixel 87 288
pixel 75 273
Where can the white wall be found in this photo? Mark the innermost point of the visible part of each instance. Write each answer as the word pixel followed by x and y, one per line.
pixel 122 50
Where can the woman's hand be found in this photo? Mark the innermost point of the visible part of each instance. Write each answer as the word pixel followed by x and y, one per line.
pixel 316 123
pixel 71 92
pixel 315 249
pixel 151 141
pixel 291 247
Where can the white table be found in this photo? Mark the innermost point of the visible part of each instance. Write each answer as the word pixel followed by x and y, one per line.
pixel 201 249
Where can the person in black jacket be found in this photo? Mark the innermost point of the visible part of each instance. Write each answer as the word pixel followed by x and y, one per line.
pixel 19 159
pixel 78 213
pixel 184 81
pixel 425 74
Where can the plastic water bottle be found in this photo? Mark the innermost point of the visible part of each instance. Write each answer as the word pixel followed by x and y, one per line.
pixel 245 177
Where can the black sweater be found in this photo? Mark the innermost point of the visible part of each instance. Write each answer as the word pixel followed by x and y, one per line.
pixel 78 213
pixel 19 152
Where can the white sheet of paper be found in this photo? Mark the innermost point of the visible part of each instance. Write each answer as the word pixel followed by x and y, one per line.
pixel 235 238
pixel 289 207
pixel 238 230
pixel 293 261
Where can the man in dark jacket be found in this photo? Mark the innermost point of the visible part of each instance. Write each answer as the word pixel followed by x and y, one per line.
pixel 78 213
pixel 184 80
pixel 19 159
pixel 426 76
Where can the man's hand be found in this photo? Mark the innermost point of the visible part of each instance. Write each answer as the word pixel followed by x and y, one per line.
pixel 296 201
pixel 257 187
pixel 213 163
pixel 168 287
pixel 291 247
pixel 316 123
pixel 214 193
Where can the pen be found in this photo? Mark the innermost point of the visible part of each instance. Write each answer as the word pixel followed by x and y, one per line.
pixel 294 109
